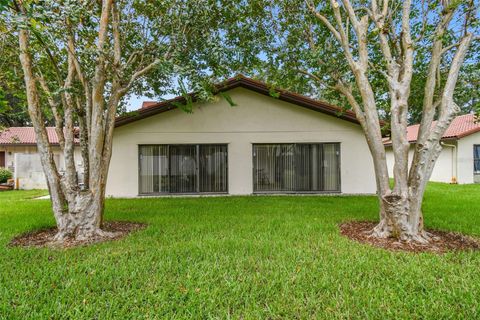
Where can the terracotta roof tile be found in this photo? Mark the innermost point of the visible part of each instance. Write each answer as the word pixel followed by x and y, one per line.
pixel 460 127
pixel 25 135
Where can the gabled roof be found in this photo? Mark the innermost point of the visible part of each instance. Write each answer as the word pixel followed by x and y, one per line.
pixel 25 136
pixel 460 127
pixel 247 83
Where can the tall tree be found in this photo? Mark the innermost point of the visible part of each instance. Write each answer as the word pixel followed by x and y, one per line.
pixel 85 57
pixel 368 52
pixel 303 56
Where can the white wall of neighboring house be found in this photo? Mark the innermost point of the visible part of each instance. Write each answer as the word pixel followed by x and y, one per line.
pixel 24 162
pixel 444 169
pixel 465 157
pixel 454 162
pixel 256 119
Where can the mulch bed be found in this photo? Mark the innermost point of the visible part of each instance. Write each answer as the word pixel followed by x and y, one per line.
pixel 442 241
pixel 44 237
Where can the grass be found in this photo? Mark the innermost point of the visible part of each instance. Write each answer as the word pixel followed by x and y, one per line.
pixel 240 257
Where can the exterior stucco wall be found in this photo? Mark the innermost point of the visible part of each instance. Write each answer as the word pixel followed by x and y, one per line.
pixel 10 153
pixel 465 157
pixel 24 162
pixel 444 170
pixel 255 119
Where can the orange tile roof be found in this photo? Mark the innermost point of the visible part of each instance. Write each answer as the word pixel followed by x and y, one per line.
pixel 460 127
pixel 25 136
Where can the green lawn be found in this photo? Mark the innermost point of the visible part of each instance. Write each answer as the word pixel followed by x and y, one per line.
pixel 240 257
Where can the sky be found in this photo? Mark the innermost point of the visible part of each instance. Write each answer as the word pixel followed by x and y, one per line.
pixel 135 102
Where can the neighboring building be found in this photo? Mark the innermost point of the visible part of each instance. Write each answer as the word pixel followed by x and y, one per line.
pixel 459 161
pixel 289 144
pixel 18 153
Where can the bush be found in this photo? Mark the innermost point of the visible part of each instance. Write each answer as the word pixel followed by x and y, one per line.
pixel 5 174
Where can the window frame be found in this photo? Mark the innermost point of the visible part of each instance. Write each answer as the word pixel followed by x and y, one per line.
pixel 475 146
pixel 339 169
pixel 197 169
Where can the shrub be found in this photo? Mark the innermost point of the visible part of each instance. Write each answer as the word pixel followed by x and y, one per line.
pixel 5 174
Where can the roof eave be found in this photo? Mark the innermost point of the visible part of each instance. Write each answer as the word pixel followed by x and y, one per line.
pixel 247 83
pixel 29 144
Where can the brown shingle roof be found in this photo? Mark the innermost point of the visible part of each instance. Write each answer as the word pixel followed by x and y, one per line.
pixel 26 135
pixel 247 83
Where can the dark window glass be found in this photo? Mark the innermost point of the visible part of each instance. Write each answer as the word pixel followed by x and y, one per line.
pixel 182 168
pixel 476 158
pixel 153 169
pixel 296 167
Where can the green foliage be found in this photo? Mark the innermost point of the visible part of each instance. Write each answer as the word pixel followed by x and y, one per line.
pixel 262 257
pixel 198 43
pixel 300 54
pixel 13 100
pixel 5 174
pixel 228 98
pixel 273 93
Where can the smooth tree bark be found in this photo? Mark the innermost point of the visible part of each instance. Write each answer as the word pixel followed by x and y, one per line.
pixel 86 118
pixel 401 206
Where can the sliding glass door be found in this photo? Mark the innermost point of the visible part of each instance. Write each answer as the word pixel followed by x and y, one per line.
pixel 296 167
pixel 153 171
pixel 212 168
pixel 183 169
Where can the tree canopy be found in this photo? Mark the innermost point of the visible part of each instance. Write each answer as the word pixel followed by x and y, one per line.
pixel 81 59
pixel 302 55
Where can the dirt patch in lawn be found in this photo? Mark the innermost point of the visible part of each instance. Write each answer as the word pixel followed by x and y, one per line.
pixel 442 241
pixel 44 237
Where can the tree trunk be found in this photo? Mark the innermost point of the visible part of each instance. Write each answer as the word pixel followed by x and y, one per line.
pixel 401 218
pixel 82 218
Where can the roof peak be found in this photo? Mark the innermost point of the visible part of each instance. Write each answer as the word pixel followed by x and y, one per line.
pixel 240 80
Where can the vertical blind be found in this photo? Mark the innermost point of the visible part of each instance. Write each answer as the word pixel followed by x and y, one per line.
pixel 182 168
pixel 296 167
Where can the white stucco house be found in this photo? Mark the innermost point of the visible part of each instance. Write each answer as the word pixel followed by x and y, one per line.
pixel 459 161
pixel 284 144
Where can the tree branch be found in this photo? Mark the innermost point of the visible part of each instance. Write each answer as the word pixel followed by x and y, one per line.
pixel 54 107
pixel 323 20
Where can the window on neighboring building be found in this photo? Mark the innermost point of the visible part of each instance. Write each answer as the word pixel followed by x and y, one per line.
pixel 476 158
pixel 183 169
pixel 311 167
pixel 2 159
